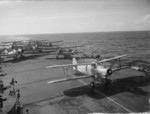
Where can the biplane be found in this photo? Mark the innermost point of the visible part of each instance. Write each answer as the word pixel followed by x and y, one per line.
pixel 46 43
pixel 36 43
pixel 5 46
pixel 11 43
pixel 95 70
pixel 15 53
pixel 15 49
pixel 67 52
pixel 27 45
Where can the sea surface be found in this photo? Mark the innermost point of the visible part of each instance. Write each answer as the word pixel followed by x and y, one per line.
pixel 107 44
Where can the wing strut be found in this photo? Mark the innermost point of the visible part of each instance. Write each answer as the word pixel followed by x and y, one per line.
pixel 65 69
pixel 119 63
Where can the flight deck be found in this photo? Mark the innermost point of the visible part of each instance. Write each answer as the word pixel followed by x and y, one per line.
pixel 129 92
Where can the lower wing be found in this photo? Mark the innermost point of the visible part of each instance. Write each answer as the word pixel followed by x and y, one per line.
pixel 69 79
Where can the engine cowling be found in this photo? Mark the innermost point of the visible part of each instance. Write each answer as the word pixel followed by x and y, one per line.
pixel 104 71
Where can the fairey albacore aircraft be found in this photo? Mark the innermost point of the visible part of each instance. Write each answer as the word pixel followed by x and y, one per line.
pixel 15 53
pixel 68 52
pixel 95 70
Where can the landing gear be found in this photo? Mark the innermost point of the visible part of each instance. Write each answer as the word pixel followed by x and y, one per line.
pixel 15 57
pixel 18 56
pixel 106 82
pixel 92 84
pixel 39 50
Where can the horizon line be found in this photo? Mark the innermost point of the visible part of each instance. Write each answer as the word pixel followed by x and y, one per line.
pixel 73 32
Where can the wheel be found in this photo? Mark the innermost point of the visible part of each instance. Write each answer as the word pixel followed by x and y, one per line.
pixel 92 84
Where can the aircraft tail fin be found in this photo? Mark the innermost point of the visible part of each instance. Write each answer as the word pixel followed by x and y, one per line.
pixel 74 62
pixel 5 51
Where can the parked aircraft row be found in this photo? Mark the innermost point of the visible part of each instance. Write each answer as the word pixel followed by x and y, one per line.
pixel 16 49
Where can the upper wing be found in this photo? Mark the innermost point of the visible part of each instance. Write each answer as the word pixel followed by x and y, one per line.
pixel 72 65
pixel 73 46
pixel 114 58
pixel 56 41
pixel 69 79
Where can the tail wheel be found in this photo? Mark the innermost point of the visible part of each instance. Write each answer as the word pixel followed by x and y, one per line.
pixel 92 84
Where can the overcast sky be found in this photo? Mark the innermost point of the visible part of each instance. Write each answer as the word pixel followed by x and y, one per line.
pixel 68 16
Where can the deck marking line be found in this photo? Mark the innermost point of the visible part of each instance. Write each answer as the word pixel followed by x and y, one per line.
pixel 103 94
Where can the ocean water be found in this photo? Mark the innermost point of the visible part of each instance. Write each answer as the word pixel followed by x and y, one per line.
pixel 107 44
